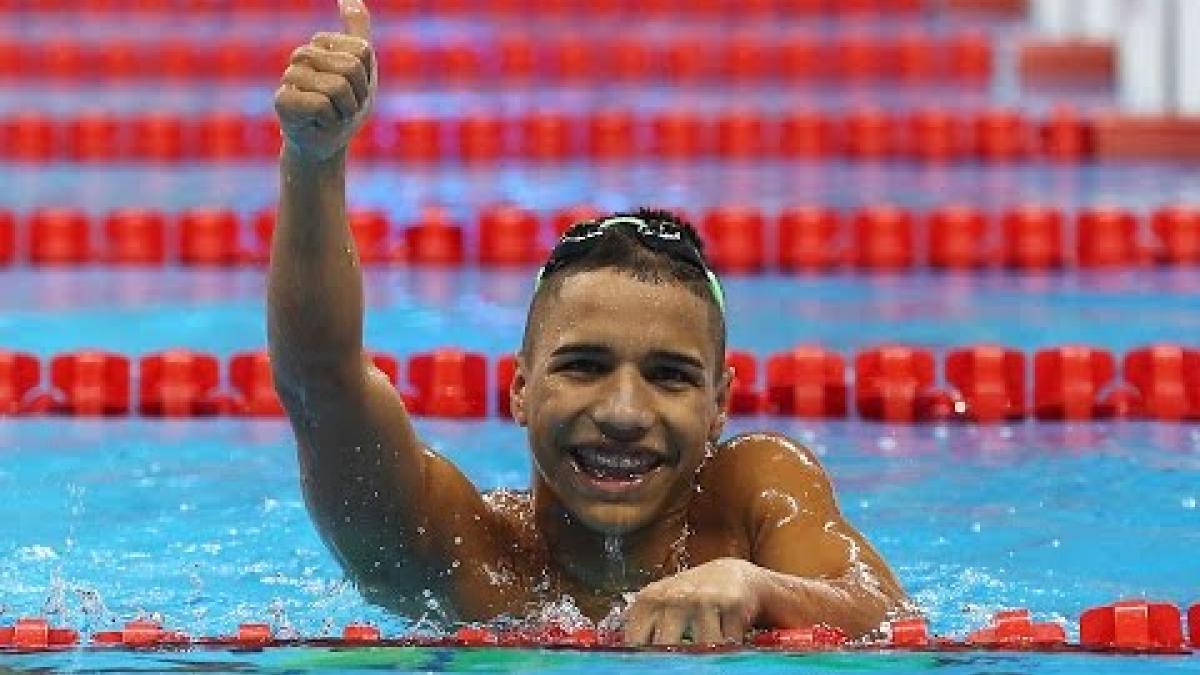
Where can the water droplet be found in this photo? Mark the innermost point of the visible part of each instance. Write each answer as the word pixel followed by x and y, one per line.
pixel 458 541
pixel 1055 543
pixel 976 527
pixel 1188 502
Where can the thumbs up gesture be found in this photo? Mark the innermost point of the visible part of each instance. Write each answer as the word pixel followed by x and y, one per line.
pixel 328 87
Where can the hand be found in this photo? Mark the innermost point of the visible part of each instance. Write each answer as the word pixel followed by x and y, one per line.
pixel 715 602
pixel 328 87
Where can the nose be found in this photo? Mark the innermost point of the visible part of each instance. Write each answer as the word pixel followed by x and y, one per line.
pixel 623 413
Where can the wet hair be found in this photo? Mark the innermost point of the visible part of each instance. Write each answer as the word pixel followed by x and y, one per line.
pixel 619 249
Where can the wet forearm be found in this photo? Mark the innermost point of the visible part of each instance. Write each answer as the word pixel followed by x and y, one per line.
pixel 788 601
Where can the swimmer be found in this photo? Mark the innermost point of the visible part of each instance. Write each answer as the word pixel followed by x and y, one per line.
pixel 622 387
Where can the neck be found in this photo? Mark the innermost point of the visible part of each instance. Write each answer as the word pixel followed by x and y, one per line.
pixel 605 563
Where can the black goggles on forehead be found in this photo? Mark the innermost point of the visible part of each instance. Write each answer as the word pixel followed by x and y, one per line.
pixel 664 237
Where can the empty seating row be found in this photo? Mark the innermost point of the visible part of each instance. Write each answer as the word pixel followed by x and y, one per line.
pixel 500 8
pixel 739 239
pixel 605 136
pixel 892 383
pixel 685 56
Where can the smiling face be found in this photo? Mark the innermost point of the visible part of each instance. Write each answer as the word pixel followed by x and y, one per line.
pixel 620 392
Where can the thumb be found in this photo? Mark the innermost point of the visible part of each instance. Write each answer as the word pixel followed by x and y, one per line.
pixel 356 20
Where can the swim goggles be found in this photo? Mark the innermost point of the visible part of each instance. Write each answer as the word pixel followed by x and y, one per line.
pixel 662 236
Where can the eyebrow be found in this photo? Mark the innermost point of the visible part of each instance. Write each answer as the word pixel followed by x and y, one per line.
pixel 599 349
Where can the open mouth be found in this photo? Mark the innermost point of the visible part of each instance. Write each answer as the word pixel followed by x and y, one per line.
pixel 614 467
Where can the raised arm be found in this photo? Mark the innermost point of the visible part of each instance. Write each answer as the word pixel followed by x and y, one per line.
pixel 370 485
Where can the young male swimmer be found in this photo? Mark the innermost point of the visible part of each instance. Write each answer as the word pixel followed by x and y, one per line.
pixel 622 387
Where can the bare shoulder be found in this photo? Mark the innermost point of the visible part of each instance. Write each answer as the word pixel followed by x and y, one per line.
pixel 754 461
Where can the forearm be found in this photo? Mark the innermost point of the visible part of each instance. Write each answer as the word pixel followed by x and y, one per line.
pixel 787 601
pixel 315 297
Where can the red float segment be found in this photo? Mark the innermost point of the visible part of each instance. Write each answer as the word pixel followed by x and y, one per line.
pixel 403 61
pixel 746 57
pixel 864 56
pixel 432 240
pixel 917 57
pixel 472 636
pixel 911 632
pixel 448 383
pixel 28 137
pixel 157 137
pixel 959 237
pixel 509 235
pixel 547 137
pixel 802 58
pixel 1178 231
pixel 209 237
pixel 895 384
pixel 809 239
pixel 806 381
pixel 610 135
pixel 179 383
pixel 935 135
pixel 989 382
pixel 678 135
pixel 35 633
pixel 1106 237
pixel 139 633
pixel 1194 625
pixel 819 637
pixel 735 239
pixel 90 382
pixel 222 136
pixel 506 372
pixel 572 58
pixel 253 385
pixel 93 137
pixel 360 632
pixel 517 58
pixel 741 135
pixel 481 139
pixel 59 236
pixel 459 63
pixel 370 231
pixel 1167 381
pixel 1033 237
pixel 20 374
pixel 8 237
pixel 870 134
pixel 969 55
pixel 883 238
pixel 1002 135
pixel 253 635
pixel 1132 625
pixel 1067 382
pixel 744 396
pixel 1015 629
pixel 418 140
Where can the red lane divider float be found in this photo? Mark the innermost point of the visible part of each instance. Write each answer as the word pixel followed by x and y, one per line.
pixel 1129 626
pixel 683 57
pixel 880 238
pixel 890 383
pixel 541 136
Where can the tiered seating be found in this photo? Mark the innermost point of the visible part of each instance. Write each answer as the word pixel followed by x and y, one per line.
pixel 891 383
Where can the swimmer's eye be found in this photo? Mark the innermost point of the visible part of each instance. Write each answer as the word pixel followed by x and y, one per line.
pixel 673 376
pixel 581 367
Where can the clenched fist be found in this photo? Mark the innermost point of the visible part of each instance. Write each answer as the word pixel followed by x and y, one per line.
pixel 328 87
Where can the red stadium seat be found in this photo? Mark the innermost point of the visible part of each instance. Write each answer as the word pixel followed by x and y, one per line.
pixel 209 237
pixel 12 58
pixel 179 383
pixel 1033 237
pixel 509 235
pixel 28 137
pixel 458 63
pixel 176 61
pixel 135 236
pixel 734 239
pixel 157 136
pixel 517 58
pixel 93 137
pixel 870 134
pixel 1167 381
pixel 626 58
pixel 563 219
pixel 1177 229
pixel 988 383
pixel 253 385
pixel 917 57
pixel 234 59
pixel 1068 382
pixel 746 57
pixel 745 398
pixel 20 374
pixel 59 58
pixel 895 384
pixel 809 239
pixel 1014 628
pixel 1106 237
pixel 959 237
pixel 1132 625
pixel 481 138
pixel 418 140
pixel 936 135
pixel 864 56
pixel 1066 136
pixel 89 382
pixel 803 58
pixel 370 230
pixel 883 238
pixel 806 134
pixel 506 370
pixel 969 55
pixel 741 135
pixel 404 62
pixel 611 135
pixel 547 137
pixel 222 136
pixel 448 383
pixel 1002 135
pixel 572 58
pixel 806 381
pixel 8 237
pixel 59 236
pixel 678 136
pixel 369 143
pixel 432 240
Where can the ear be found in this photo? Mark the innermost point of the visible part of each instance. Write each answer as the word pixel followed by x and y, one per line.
pixel 721 402
pixel 516 393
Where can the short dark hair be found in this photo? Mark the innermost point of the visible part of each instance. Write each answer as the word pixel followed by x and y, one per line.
pixel 619 249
